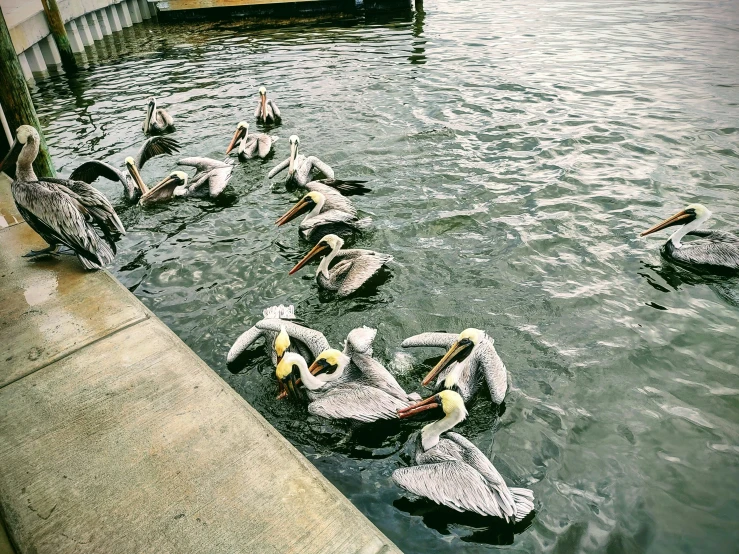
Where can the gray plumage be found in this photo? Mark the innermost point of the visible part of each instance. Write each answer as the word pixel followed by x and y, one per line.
pixel 714 249
pixel 334 199
pixel 267 110
pixel 210 179
pixel 158 120
pixel 258 144
pixel 154 146
pixel 354 401
pixel 307 342
pixel 455 473
pixel 305 169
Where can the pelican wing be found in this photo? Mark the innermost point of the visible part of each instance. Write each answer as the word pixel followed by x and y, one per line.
pixel 494 370
pixel 362 268
pixel 275 109
pixel 88 172
pixel 58 214
pixel 218 179
pixel 202 164
pixel 714 248
pixel 451 483
pixel 95 204
pixel 279 167
pixel 358 402
pixel 332 217
pixel 441 340
pixel 167 119
pixel 245 340
pixel 323 167
pixel 155 146
pixel 375 374
pixel 334 199
pixel 314 341
pixel 264 145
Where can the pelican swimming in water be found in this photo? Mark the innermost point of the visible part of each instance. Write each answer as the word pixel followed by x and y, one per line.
pixel 154 146
pixel 267 111
pixel 352 269
pixel 452 471
pixel 302 170
pixel 713 249
pixel 334 396
pixel 63 211
pixel 281 334
pixel 259 144
pixel 319 221
pixel 164 190
pixel 470 358
pixel 210 172
pixel 157 121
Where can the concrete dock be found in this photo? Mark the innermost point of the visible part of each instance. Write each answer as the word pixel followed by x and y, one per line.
pixel 116 437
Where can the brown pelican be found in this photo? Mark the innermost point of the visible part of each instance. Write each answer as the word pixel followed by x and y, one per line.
pixel 713 250
pixel 300 171
pixel 157 121
pixel 164 190
pixel 452 471
pixel 249 145
pixel 353 268
pixel 281 334
pixel 63 211
pixel 320 221
pixel 267 111
pixel 332 396
pixel 470 357
pixel 210 172
pixel 154 146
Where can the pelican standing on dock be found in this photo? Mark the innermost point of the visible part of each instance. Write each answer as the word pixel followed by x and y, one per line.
pixel 452 471
pixel 281 334
pixel 154 146
pixel 320 221
pixel 259 144
pixel 267 111
pixel 63 211
pixel 353 268
pixel 210 172
pixel 470 358
pixel 157 121
pixel 712 250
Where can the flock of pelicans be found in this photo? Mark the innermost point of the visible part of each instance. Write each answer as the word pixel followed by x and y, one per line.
pixel 347 384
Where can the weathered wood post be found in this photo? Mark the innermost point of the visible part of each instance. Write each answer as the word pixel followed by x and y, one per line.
pixel 56 24
pixel 16 100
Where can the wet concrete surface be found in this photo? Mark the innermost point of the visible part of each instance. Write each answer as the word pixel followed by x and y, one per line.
pixel 116 437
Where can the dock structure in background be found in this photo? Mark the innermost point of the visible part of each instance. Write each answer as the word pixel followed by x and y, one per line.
pixel 56 26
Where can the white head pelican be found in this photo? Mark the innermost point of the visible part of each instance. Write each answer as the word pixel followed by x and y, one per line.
pixel 470 356
pixel 332 396
pixel 258 144
pixel 164 190
pixel 62 211
pixel 267 111
pixel 320 221
pixel 157 121
pixel 154 146
pixel 211 177
pixel 452 471
pixel 352 269
pixel 714 249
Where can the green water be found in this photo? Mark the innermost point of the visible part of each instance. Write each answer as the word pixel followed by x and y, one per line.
pixel 515 150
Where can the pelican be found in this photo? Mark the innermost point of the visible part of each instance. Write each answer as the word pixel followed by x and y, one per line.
pixel 301 169
pixel 470 357
pixel 332 397
pixel 157 121
pixel 318 221
pixel 154 146
pixel 267 111
pixel 714 249
pixel 164 190
pixel 281 334
pixel 63 211
pixel 452 471
pixel 209 172
pixel 353 268
pixel 249 145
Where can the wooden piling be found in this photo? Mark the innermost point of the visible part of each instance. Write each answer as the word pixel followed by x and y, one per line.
pixel 16 100
pixel 56 25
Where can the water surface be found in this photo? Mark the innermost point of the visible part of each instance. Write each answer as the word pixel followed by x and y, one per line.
pixel 516 149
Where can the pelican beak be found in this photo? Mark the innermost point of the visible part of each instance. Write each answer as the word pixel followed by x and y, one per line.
pixel 237 135
pixel 133 170
pixel 317 250
pixel 149 116
pixel 293 154
pixel 459 351
pixel 264 107
pixel 680 218
pixel 430 403
pixel 321 366
pixel 303 205
pixel 291 385
pixel 12 152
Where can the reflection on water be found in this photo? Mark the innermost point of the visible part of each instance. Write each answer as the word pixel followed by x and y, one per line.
pixel 515 151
